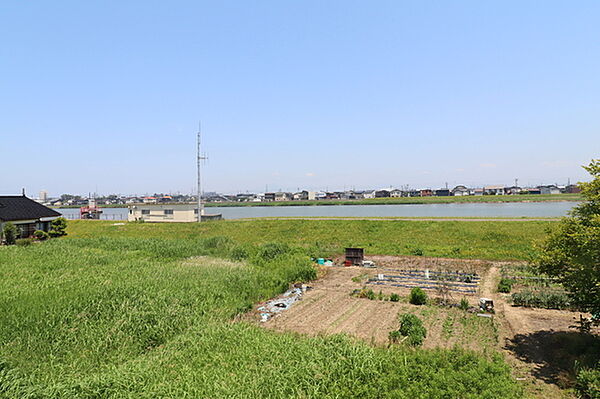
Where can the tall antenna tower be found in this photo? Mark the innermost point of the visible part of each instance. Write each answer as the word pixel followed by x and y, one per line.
pixel 201 157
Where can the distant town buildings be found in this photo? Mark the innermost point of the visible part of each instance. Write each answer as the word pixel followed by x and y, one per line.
pixel 306 195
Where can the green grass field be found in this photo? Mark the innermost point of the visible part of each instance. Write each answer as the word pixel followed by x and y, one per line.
pixel 494 240
pixel 147 311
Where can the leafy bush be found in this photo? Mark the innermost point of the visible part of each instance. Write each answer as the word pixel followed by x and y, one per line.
pixel 10 233
pixel 417 296
pixel 24 242
pixel 412 328
pixel 41 235
pixel 541 299
pixel 588 384
pixel 505 285
pixel 464 304
pixel 394 297
pixel 58 227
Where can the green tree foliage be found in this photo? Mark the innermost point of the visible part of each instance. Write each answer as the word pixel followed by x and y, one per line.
pixel 10 233
pixel 572 251
pixel 58 227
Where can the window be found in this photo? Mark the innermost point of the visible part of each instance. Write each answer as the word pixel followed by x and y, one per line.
pixel 168 211
pixel 145 211
pixel 196 211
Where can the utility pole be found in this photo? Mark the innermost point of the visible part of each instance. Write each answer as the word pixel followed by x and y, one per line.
pixel 201 157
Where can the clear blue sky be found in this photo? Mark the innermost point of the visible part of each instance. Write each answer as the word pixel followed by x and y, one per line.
pixel 106 95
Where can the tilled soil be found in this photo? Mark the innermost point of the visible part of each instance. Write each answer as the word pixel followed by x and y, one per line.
pixel 539 343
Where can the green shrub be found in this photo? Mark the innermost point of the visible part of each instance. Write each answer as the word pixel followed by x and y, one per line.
pixel 41 235
pixel 588 384
pixel 456 251
pixel 394 297
pixel 412 328
pixel 10 233
pixel 417 296
pixel 505 285
pixel 541 299
pixel 24 242
pixel 58 227
pixel 464 304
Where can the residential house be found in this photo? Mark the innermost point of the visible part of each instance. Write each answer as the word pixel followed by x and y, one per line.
pixel 476 191
pixel 493 190
pixel 396 193
pixel 459 191
pixel 512 190
pixel 531 190
pixel 368 194
pixel 426 192
pixel 269 197
pixel 382 193
pixel 283 196
pixel 300 196
pixel 442 192
pixel 550 189
pixel 26 214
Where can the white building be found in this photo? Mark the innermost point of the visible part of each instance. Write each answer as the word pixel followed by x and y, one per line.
pixel 181 213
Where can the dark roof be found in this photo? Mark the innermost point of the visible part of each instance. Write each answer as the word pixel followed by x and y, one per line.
pixel 18 207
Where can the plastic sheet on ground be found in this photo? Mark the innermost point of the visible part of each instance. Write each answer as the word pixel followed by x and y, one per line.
pixel 285 301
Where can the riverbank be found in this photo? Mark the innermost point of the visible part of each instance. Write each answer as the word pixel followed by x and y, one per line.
pixel 391 201
pixel 491 240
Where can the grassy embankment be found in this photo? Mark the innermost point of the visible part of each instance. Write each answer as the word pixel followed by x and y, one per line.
pixel 396 201
pixel 130 314
pixel 493 240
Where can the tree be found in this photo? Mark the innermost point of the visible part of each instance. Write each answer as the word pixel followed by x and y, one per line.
pixel 58 227
pixel 10 233
pixel 572 251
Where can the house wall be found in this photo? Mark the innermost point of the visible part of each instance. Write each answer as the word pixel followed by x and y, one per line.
pixel 156 213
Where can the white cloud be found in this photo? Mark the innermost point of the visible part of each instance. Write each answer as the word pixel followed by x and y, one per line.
pixel 310 174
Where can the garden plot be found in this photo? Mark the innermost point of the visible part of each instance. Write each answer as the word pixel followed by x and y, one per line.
pixel 458 282
pixel 329 308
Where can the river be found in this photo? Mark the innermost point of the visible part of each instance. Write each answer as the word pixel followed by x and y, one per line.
pixel 485 210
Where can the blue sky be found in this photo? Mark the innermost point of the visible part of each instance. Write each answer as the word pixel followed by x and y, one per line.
pixel 107 95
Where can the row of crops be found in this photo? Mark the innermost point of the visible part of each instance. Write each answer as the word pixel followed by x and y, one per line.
pixel 528 288
pixel 451 281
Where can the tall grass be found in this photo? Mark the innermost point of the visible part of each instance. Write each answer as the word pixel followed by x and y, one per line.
pixel 126 317
pixel 494 240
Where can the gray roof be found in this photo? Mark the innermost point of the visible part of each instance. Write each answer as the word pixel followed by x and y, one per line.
pixel 18 207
